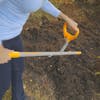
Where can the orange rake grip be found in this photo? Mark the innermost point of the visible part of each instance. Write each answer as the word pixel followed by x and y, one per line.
pixel 14 54
pixel 69 36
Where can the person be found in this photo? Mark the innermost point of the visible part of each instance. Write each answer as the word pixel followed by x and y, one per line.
pixel 13 15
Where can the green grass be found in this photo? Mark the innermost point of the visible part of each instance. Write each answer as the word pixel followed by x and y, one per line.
pixel 7 95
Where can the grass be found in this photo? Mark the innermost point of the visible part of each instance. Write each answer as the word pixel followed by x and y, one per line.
pixel 7 95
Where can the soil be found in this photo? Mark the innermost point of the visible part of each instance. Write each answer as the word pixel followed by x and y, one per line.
pixel 63 77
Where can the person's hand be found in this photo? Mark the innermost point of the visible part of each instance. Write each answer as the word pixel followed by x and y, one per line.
pixel 71 23
pixel 4 57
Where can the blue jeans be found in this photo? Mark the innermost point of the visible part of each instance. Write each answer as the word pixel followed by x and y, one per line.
pixel 11 72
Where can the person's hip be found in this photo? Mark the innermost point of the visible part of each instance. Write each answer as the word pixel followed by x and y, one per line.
pixel 15 43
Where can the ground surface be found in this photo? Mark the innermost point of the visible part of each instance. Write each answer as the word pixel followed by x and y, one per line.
pixel 65 77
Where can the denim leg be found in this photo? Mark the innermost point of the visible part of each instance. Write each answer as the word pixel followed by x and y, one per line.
pixel 12 71
pixel 17 84
pixel 5 78
pixel 5 74
pixel 17 71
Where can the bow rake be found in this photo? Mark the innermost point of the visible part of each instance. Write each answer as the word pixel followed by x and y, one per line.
pixel 68 38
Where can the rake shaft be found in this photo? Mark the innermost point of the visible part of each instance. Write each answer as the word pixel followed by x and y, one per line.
pixel 39 54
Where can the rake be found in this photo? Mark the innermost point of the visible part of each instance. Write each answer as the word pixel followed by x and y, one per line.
pixel 68 38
